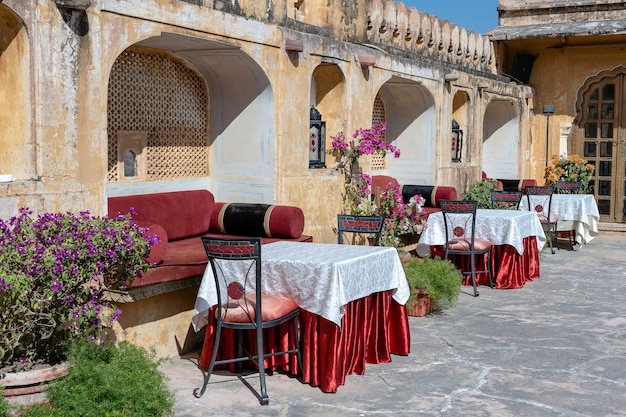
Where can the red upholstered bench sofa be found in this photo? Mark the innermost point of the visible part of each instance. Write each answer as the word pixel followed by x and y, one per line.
pixel 180 218
pixel 433 194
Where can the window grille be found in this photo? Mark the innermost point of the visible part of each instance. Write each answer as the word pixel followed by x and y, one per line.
pixel 154 92
pixel 378 115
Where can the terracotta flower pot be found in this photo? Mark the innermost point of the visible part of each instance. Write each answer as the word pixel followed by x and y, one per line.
pixel 28 387
pixel 422 305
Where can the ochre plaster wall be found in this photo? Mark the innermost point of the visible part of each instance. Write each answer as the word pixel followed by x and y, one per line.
pixel 56 142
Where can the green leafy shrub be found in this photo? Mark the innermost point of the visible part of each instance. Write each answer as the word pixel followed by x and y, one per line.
pixel 480 192
pixel 439 276
pixel 4 404
pixel 108 382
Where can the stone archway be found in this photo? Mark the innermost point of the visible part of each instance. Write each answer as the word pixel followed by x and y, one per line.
pixel 234 101
pixel 411 126
pixel 500 157
pixel 18 149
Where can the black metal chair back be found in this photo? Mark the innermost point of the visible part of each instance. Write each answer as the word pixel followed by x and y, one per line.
pixel 240 303
pixel 540 201
pixel 368 225
pixel 567 187
pixel 459 219
pixel 505 200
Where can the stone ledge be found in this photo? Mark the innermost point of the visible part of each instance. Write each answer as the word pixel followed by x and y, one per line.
pixel 140 293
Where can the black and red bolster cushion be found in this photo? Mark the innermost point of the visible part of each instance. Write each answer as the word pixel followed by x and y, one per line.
pixel 264 220
pixel 426 191
pixel 511 185
pixel 432 194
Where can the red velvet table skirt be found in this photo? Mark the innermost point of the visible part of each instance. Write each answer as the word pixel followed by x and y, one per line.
pixel 373 328
pixel 510 269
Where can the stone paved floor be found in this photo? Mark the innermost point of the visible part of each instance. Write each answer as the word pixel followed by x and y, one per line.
pixel 557 347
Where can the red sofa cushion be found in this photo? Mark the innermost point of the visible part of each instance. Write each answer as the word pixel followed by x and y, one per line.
pixel 158 250
pixel 181 214
pixel 187 258
pixel 381 182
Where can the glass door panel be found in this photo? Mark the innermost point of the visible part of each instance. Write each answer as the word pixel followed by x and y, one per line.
pixel 604 145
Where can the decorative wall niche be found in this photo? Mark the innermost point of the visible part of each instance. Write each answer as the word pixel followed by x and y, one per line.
pixel 131 155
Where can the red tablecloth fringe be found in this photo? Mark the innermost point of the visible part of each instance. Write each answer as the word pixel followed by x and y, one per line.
pixel 373 328
pixel 510 269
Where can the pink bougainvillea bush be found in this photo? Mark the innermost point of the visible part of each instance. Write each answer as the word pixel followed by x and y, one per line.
pixel 54 271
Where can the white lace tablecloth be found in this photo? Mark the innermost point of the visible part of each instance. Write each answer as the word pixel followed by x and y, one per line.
pixel 321 278
pixel 500 227
pixel 575 212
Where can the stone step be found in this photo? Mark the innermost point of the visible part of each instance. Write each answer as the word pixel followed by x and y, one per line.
pixel 612 227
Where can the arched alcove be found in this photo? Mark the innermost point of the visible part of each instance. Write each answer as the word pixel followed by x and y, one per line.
pixel 500 157
pixel 17 147
pixel 410 119
pixel 218 121
pixel 460 114
pixel 328 91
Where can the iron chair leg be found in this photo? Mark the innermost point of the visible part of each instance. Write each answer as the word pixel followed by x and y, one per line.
pixel 261 363
pixel 473 272
pixel 199 392
pixel 549 229
pixel 297 341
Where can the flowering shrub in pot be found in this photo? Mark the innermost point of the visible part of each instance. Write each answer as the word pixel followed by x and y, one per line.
pixel 401 218
pixel 54 271
pixel 572 168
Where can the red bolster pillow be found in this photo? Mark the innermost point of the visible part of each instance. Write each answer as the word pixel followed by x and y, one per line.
pixel 264 220
pixel 444 192
pixel 158 250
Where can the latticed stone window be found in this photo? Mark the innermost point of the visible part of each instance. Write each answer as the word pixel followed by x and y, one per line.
pixel 151 91
pixel 378 115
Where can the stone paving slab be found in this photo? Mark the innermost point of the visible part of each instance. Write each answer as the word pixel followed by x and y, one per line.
pixel 556 347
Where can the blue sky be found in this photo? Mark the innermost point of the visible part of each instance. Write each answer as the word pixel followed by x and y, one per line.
pixel 478 15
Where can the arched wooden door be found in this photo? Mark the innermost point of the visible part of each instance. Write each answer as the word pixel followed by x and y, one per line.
pixel 601 139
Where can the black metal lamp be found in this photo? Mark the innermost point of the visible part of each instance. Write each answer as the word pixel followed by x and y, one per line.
pixel 457 141
pixel 317 140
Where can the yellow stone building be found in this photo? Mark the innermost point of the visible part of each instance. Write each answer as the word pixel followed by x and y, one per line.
pixel 207 94
pixel 104 98
pixel 572 55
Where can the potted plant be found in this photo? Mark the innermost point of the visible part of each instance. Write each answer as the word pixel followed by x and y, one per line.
pixel 404 222
pixel 434 279
pixel 480 191
pixel 54 271
pixel 572 168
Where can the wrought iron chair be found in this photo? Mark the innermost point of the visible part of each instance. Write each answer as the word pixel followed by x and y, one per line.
pixel 372 225
pixel 540 200
pixel 505 200
pixel 567 187
pixel 459 217
pixel 236 266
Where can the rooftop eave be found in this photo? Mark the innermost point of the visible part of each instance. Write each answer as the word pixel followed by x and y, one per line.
pixel 551 30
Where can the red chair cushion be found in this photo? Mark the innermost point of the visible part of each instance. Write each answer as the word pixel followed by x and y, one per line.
pixel 544 219
pixel 463 244
pixel 236 311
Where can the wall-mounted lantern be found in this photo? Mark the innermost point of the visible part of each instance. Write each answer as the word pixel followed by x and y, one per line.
pixel 317 140
pixel 457 141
